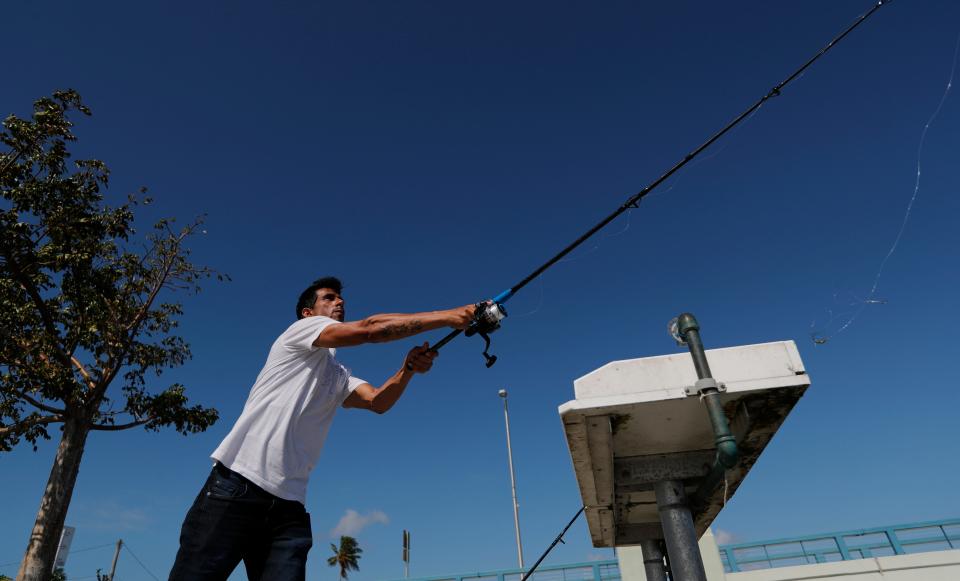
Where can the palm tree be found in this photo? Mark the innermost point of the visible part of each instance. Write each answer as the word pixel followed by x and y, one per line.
pixel 346 556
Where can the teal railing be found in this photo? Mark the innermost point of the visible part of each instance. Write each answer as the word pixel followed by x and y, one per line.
pixel 902 539
pixel 591 571
pixel 843 546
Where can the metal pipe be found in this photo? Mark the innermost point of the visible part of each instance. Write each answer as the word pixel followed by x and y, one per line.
pixel 513 480
pixel 689 330
pixel 727 452
pixel 686 564
pixel 653 560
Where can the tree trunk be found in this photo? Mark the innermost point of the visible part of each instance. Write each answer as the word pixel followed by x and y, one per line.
pixel 42 550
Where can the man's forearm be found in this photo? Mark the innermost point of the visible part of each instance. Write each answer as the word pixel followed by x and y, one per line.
pixel 390 327
pixel 391 390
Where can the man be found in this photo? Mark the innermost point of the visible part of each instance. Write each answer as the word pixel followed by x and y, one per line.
pixel 252 506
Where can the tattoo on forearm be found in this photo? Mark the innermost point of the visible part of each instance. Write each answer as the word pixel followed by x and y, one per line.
pixel 399 330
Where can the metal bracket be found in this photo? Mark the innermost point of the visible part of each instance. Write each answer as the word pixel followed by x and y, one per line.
pixel 704 384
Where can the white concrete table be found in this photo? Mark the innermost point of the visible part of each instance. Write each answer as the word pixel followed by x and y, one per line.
pixel 633 424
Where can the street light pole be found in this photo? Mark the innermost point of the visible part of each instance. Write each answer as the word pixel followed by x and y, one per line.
pixel 513 480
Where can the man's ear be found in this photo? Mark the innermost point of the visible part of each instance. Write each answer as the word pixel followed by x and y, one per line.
pixel 306 312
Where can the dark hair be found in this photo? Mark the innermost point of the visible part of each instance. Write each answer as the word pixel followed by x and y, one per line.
pixel 308 297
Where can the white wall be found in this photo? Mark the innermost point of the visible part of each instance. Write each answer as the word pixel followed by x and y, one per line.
pixel 932 566
pixel 631 560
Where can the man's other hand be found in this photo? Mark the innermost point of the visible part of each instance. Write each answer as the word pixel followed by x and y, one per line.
pixel 420 359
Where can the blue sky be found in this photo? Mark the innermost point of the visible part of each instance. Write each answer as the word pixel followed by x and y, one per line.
pixel 431 154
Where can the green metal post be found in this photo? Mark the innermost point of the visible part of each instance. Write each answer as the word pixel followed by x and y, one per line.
pixel 727 453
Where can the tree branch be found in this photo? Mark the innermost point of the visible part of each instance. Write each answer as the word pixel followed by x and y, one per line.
pixel 37 301
pixel 115 428
pixel 132 327
pixel 9 162
pixel 83 371
pixel 113 366
pixel 39 405
pixel 19 427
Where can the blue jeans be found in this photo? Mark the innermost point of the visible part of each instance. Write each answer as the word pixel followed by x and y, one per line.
pixel 231 520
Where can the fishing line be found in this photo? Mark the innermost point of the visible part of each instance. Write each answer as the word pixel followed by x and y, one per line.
pixel 539 303
pixel 821 338
pixel 623 230
pixel 584 254
pixel 490 313
pixel 709 156
pixel 597 244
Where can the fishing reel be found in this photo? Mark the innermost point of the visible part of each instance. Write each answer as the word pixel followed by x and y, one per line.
pixel 486 320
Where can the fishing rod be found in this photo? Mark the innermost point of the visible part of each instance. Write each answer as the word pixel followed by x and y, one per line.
pixel 489 313
pixel 559 539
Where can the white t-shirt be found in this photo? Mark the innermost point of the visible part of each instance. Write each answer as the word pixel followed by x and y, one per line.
pixel 277 440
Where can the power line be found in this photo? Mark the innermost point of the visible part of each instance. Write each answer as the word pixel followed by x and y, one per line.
pixel 17 562
pixel 91 548
pixel 142 566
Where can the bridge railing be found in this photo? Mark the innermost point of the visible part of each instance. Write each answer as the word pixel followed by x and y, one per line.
pixel 590 571
pixel 843 546
pixel 901 539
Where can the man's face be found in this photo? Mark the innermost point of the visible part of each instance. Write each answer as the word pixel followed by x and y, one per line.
pixel 329 304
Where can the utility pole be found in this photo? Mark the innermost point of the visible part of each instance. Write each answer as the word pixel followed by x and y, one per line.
pixel 513 480
pixel 116 555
